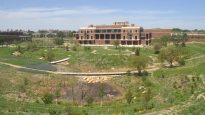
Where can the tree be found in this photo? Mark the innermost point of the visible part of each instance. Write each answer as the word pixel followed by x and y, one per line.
pixel 50 56
pixel 179 38
pixel 47 98
pixel 164 40
pixel 169 54
pixel 116 43
pixel 61 34
pixel 137 51
pixel 157 47
pixel 139 62
pixel 59 41
pixel 184 38
pixel 128 97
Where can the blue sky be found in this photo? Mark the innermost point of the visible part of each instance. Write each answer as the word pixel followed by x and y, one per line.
pixel 72 14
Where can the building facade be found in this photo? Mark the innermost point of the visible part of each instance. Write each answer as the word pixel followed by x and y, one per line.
pixel 119 31
pixel 8 37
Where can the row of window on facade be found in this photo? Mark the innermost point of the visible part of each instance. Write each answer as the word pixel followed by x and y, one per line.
pixel 108 36
pixel 109 31
pixel 108 42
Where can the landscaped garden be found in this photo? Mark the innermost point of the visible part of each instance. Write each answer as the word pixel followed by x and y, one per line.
pixel 170 85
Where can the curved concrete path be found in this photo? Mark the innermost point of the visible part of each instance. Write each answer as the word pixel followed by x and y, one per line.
pixel 67 73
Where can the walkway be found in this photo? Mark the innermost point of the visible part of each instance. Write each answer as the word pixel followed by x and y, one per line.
pixel 67 73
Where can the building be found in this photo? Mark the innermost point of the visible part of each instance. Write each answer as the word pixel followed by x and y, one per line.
pixel 9 37
pixel 158 32
pixel 106 34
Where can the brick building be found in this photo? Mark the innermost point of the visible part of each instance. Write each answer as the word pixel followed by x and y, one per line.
pixel 119 31
pixel 158 33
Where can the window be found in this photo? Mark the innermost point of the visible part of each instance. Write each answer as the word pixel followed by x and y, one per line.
pixel 81 37
pixel 135 37
pixel 136 31
pixel 91 37
pixel 123 37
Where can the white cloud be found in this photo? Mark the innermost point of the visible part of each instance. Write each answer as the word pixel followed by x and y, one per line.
pixel 65 18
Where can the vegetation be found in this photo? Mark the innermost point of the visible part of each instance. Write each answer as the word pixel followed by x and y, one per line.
pixel 171 54
pixel 139 62
pixel 116 43
pixel 179 89
pixel 59 41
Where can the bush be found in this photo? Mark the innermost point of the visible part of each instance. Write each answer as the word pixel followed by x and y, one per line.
pixel 32 46
pixel 181 61
pixel 128 97
pixel 87 48
pixel 89 100
pixel 137 51
pixel 74 48
pixel 48 98
pixel 59 41
pixel 50 56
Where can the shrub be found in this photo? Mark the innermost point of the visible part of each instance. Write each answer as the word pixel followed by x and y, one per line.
pixel 48 98
pixel 89 100
pixel 50 56
pixel 59 41
pixel 87 48
pixel 128 97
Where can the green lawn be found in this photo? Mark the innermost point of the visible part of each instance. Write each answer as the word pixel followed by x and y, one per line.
pixel 168 86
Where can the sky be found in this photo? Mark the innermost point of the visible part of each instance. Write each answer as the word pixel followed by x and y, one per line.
pixel 73 14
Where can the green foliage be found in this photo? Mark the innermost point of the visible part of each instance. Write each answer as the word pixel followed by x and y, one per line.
pixel 137 51
pixel 116 43
pixel 19 49
pixel 128 97
pixel 31 46
pixel 157 47
pixel 87 48
pixel 169 54
pixel 197 108
pixel 179 38
pixel 47 98
pixel 164 40
pixel 61 34
pixel 59 41
pixel 50 56
pixel 139 62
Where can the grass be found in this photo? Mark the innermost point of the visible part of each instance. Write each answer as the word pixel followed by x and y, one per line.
pixel 168 86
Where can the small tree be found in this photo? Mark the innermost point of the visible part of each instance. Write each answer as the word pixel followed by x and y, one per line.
pixel 137 51
pixel 179 38
pixel 157 47
pixel 128 97
pixel 59 41
pixel 116 43
pixel 169 54
pixel 50 56
pixel 47 98
pixel 164 40
pixel 184 38
pixel 139 62
pixel 61 34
